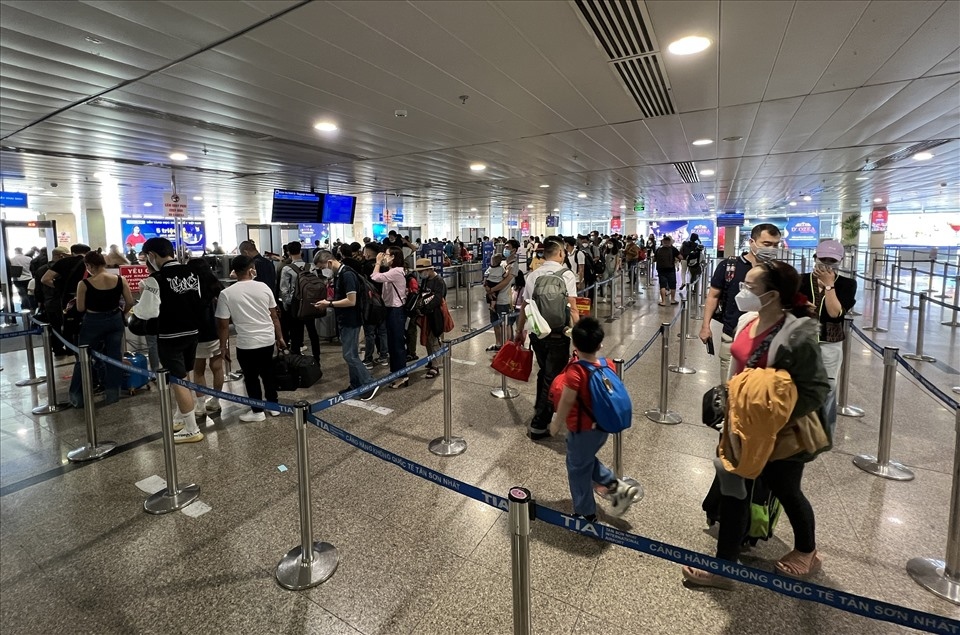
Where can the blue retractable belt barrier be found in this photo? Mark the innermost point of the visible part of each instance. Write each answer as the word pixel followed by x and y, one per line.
pixel 633 360
pixel 470 336
pixel 33 331
pixel 65 342
pixel 130 368
pixel 247 401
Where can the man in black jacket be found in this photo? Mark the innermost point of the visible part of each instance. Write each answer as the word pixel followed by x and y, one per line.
pixel 433 291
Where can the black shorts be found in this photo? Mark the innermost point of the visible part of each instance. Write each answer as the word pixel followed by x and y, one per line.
pixel 668 278
pixel 177 354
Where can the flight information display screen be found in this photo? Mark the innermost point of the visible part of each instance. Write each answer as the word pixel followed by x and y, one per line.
pixel 290 206
pixel 338 209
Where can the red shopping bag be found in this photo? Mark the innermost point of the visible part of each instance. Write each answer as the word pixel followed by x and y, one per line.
pixel 514 361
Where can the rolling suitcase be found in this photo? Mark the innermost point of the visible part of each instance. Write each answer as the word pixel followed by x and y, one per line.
pixel 327 327
pixel 132 382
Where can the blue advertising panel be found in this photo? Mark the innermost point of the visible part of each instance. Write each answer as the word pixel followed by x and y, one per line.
pixel 677 229
pixel 705 229
pixel 553 221
pixel 487 254
pixel 13 199
pixel 136 231
pixel 380 232
pixel 434 251
pixel 802 231
pixel 310 232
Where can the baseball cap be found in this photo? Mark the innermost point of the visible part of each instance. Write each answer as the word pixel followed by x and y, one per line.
pixel 63 251
pixel 830 249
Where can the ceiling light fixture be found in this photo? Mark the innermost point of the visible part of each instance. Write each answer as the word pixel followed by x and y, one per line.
pixel 529 206
pixel 93 40
pixel 325 126
pixel 103 176
pixel 702 142
pixel 710 197
pixel 178 156
pixel 544 185
pixel 198 198
pixel 878 200
pixel 582 195
pixel 147 204
pixel 473 209
pixel 733 138
pixel 861 178
pixel 793 203
pixel 623 207
pixel 556 209
pixel 689 45
pixel 808 198
pixel 923 156
pixel 707 172
pixel 477 167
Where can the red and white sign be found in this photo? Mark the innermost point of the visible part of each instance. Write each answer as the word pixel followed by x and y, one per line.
pixel 524 228
pixel 174 204
pixel 615 225
pixel 134 275
pixel 878 220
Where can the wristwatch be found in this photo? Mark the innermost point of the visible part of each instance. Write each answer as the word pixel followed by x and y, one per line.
pixel 825 289
pixel 330 303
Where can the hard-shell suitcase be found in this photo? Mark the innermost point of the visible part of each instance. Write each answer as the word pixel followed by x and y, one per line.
pixel 133 382
pixel 327 326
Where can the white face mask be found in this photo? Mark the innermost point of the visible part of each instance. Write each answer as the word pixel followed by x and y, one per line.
pixel 151 264
pixel 766 254
pixel 326 272
pixel 748 301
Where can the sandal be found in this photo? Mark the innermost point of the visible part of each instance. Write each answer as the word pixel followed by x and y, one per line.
pixel 432 372
pixel 699 577
pixel 799 565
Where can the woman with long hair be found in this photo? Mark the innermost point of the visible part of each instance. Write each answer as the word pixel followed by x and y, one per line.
pixel 208 342
pixel 775 332
pixel 389 272
pixel 104 299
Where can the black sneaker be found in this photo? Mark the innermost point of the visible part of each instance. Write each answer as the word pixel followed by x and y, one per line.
pixel 344 391
pixel 367 396
pixel 368 364
pixel 537 434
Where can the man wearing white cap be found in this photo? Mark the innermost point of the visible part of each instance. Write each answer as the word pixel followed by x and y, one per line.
pixel 832 296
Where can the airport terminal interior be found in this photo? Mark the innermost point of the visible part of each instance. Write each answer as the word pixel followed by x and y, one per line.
pixel 459 125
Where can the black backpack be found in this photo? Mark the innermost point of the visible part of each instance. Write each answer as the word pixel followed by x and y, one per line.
pixel 308 290
pixel 589 272
pixel 695 255
pixel 370 303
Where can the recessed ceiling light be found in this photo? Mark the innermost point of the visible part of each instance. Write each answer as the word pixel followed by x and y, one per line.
pixel 733 138
pixel 178 156
pixel 325 126
pixel 473 209
pixel 878 200
pixel 793 203
pixel 689 45
pixel 582 195
pixel 556 209
pixel 707 172
pixel 529 206
pixel 923 156
pixel 93 40
pixel 710 197
pixel 147 204
pixel 808 198
pixel 623 207
pixel 702 142
pixel 477 167
pixel 861 178
pixel 198 198
pixel 103 176
pixel 544 185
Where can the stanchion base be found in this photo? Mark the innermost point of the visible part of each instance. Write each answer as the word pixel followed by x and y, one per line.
pixel 296 575
pixel 892 470
pixel 951 324
pixel 634 483
pixel 930 574
pixel 910 307
pixel 49 409
pixel 164 503
pixel 852 313
pixel 919 358
pixel 448 447
pixel 683 370
pixel 467 329
pixel 31 382
pixel 851 411
pixel 956 389
pixel 668 417
pixel 878 329
pixel 509 393
pixel 91 452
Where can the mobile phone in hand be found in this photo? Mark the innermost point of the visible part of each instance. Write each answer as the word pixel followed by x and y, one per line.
pixel 710 350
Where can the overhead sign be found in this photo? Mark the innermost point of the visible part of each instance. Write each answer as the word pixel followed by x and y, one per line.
pixel 398 216
pixel 638 206
pixel 136 231
pixel 878 220
pixel 174 204
pixel 616 225
pixel 13 199
pixel 553 221
pixel 525 227
pixel 135 274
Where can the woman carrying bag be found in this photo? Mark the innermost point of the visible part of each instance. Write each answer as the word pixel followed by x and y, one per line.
pixel 104 299
pixel 389 272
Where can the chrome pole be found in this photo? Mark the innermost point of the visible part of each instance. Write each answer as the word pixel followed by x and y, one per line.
pixel 618 447
pixel 310 563
pixel 876 310
pixel 32 379
pixel 52 404
pixel 881 465
pixel 913 289
pixel 843 406
pixel 662 414
pixel 504 392
pixel 612 290
pixel 956 303
pixel 456 285
pixel 894 283
pixel 175 496
pixel 520 515
pixel 468 328
pixel 623 291
pixel 448 445
pixel 91 450
pixel 680 366
pixel 919 356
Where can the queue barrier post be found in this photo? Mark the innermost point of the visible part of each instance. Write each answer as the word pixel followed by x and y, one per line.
pixel 521 512
pixel 175 496
pixel 942 577
pixel 894 283
pixel 919 356
pixel 876 310
pixel 843 381
pixel 31 379
pixel 52 404
pixel 504 392
pixel 881 465
pixel 618 447
pixel 695 294
pixel 956 304
pixel 593 301
pixel 469 327
pixel 943 281
pixel 92 450
pixel 913 290
pixel 623 292
pixel 681 366
pixel 663 414
pixel 309 563
pixel 456 286
pixel 448 445
pixel 613 300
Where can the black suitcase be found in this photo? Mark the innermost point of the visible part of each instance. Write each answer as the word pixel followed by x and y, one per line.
pixel 295 371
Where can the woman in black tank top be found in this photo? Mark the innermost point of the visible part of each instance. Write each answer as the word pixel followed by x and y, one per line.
pixel 104 299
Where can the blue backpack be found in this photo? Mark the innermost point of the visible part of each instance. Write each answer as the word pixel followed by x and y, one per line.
pixel 612 410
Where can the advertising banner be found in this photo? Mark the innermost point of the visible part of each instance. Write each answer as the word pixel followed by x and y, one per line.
pixel 380 231
pixel 310 232
pixel 705 229
pixel 525 228
pixel 434 251
pixel 801 231
pixel 135 274
pixel 553 221
pixel 487 254
pixel 136 231
pixel 616 225
pixel 677 229
pixel 878 220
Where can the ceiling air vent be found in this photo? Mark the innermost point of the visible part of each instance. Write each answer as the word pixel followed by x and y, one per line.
pixel 687 172
pixel 906 153
pixel 699 197
pixel 621 28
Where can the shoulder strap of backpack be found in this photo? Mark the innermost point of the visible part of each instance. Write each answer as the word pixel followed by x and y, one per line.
pixel 590 370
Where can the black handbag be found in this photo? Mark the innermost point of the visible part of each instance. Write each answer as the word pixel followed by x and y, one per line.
pixel 139 326
pixel 714 407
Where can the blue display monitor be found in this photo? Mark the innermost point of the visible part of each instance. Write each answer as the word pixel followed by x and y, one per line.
pixel 730 220
pixel 290 206
pixel 338 209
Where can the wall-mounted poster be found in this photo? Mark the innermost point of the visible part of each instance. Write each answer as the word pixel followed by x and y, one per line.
pixel 310 232
pixel 878 220
pixel 705 229
pixel 136 231
pixel 802 231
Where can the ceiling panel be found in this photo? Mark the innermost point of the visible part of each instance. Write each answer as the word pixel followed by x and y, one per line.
pixel 853 111
pixel 750 35
pixel 814 111
pixel 918 54
pixel 693 78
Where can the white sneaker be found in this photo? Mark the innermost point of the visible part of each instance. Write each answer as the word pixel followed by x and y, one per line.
pixel 198 410
pixel 177 424
pixel 253 416
pixel 274 413
pixel 621 498
pixel 184 436
pixel 213 405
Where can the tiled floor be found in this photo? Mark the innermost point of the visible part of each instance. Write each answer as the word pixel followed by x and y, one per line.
pixel 77 553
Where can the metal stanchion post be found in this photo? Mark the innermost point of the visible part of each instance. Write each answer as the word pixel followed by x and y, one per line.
pixel 843 381
pixel 175 495
pixel 623 291
pixel 913 288
pixel 942 577
pixel 520 515
pixel 866 270
pixel 943 281
pixel 876 310
pixel 618 447
pixel 894 282
pixel 52 405
pixel 468 328
pixel 881 465
pixel 448 445
pixel 504 392
pixel 596 307
pixel 803 262
pixel 92 450
pixel 695 294
pixel 612 290
pixel 662 414
pixel 456 284
pixel 32 379
pixel 309 563
pixel 956 303
pixel 919 356
pixel 680 366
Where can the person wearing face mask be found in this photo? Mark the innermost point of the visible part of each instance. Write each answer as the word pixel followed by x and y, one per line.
pixel 776 333
pixel 832 296
pixel 721 313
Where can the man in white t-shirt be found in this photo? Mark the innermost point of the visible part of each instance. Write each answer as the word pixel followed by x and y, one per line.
pixel 253 310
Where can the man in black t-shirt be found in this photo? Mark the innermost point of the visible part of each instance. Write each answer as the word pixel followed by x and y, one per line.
pixel 65 274
pixel 266 270
pixel 666 259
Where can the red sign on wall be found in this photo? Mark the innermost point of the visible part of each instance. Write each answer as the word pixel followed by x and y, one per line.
pixel 615 225
pixel 525 228
pixel 134 275
pixel 878 220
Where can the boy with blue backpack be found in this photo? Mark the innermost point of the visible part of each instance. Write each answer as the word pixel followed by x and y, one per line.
pixel 594 403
